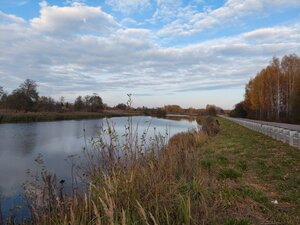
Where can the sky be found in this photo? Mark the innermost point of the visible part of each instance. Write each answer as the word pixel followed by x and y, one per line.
pixel 190 53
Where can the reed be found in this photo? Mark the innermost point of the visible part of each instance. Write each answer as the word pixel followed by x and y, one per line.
pixel 132 179
pixel 232 178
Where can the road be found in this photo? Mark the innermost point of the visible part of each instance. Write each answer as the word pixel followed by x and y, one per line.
pixel 294 127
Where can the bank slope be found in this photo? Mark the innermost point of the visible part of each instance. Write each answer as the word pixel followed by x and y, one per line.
pixel 257 178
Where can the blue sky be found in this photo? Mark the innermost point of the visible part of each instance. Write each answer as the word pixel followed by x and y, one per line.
pixel 190 53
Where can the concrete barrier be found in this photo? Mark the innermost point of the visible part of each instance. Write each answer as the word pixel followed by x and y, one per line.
pixel 294 138
pixel 285 135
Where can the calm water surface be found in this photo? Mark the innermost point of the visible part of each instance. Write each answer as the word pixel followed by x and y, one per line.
pixel 20 144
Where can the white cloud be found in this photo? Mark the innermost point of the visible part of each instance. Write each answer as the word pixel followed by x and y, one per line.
pixel 10 18
pixel 166 10
pixel 70 2
pixel 73 19
pixel 274 34
pixel 128 6
pixel 230 13
pixel 21 3
pixel 123 60
pixel 128 20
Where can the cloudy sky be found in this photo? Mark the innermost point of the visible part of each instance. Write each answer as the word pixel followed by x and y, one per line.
pixel 162 51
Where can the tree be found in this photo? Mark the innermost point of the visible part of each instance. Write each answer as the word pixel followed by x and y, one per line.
pixel 173 109
pixel 2 97
pixel 79 104
pixel 46 104
pixel 296 100
pixel 17 100
pixel 274 93
pixel 62 101
pixel 211 110
pixel 96 103
pixel 93 103
pixel 87 102
pixel 1 92
pixel 29 91
pixel 121 106
pixel 29 88
pixel 239 110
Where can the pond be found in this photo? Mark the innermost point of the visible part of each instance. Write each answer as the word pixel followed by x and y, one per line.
pixel 20 144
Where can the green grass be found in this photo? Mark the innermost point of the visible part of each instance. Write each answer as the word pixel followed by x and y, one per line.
pixel 237 222
pixel 257 168
pixel 242 165
pixel 229 173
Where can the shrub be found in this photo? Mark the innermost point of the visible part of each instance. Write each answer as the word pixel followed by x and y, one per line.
pixel 210 125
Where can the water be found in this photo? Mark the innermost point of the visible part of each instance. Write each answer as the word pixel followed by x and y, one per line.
pixel 21 143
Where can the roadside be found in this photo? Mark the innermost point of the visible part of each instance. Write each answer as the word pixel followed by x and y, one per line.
pixel 257 178
pixel 295 127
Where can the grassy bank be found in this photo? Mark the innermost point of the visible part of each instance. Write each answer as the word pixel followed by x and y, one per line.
pixel 238 177
pixel 22 117
pixel 251 174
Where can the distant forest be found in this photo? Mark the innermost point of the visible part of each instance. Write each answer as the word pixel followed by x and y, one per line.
pixel 26 98
pixel 274 93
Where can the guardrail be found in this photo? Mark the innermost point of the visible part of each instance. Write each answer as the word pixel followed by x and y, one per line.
pixel 290 137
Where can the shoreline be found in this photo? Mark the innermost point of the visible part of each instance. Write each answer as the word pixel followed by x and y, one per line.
pixel 7 117
pixel 22 117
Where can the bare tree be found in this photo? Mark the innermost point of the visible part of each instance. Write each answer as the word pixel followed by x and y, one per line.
pixel 1 92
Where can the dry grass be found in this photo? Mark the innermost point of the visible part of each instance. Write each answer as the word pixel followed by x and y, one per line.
pixel 20 117
pixel 229 179
pixel 130 182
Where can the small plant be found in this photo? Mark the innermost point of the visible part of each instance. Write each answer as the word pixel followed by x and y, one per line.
pixel 185 209
pixel 207 163
pixel 241 164
pixel 238 222
pixel 229 173
pixel 223 160
pixel 210 125
pixel 253 194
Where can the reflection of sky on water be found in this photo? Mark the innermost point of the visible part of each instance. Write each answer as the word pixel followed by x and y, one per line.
pixel 21 143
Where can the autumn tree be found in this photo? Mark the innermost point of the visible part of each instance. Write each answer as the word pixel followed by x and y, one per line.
pixel 296 99
pixel 211 110
pixel 240 110
pixel 173 109
pixel 273 94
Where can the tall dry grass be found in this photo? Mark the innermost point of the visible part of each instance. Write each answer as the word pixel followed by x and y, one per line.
pixel 129 180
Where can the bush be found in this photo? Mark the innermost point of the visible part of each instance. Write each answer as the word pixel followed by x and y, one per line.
pixel 210 125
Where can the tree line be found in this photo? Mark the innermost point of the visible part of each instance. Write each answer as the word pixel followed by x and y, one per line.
pixel 274 93
pixel 26 98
